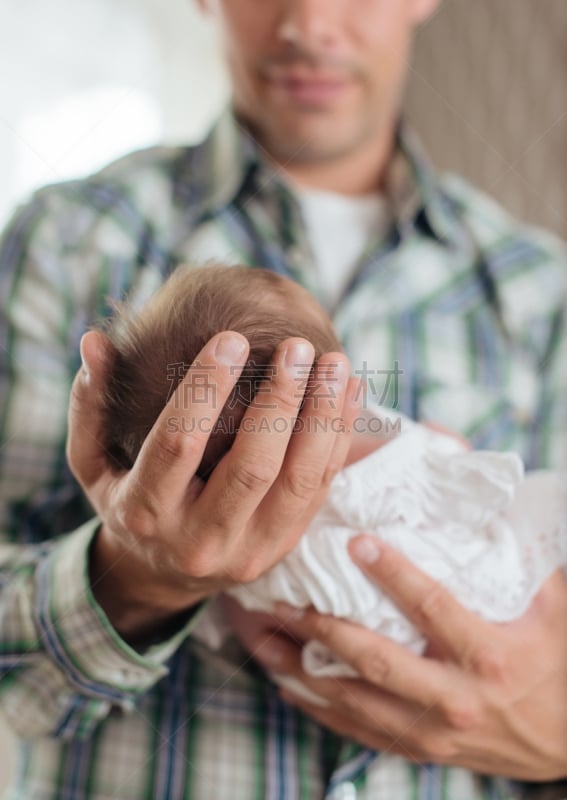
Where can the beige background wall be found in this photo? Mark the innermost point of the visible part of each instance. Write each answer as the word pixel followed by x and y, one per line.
pixel 488 92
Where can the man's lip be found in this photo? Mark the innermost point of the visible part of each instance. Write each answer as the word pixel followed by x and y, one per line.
pixel 309 88
pixel 309 83
pixel 305 78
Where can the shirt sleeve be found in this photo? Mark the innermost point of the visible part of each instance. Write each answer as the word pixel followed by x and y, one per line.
pixel 63 667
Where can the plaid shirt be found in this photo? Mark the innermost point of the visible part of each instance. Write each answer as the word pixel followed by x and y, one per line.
pixel 456 316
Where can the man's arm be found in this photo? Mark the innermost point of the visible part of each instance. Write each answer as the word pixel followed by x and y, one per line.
pixel 487 697
pixel 73 610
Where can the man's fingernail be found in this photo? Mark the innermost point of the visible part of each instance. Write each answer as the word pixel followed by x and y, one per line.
pixel 366 550
pixel 229 349
pixel 298 358
pixel 288 613
pixel 85 367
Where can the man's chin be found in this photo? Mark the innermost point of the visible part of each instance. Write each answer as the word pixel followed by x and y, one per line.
pixel 309 145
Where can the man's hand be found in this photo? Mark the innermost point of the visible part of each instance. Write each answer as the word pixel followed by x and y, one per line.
pixel 490 698
pixel 168 540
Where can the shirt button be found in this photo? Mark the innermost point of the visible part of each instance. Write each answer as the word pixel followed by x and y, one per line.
pixel 344 791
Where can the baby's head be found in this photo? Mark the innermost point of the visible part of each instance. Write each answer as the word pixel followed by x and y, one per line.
pixel 156 346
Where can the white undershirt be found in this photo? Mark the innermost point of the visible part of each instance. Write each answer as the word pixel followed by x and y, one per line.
pixel 339 229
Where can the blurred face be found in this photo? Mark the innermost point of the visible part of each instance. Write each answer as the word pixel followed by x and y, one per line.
pixel 318 79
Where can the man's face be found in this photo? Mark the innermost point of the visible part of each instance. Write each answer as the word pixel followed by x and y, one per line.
pixel 317 79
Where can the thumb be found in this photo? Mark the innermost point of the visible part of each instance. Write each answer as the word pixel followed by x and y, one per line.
pixel 86 453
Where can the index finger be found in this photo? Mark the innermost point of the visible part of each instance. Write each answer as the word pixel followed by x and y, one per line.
pixel 173 449
pixel 427 603
pixel 244 476
pixel 387 665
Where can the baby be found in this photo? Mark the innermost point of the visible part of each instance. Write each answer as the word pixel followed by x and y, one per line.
pixel 469 519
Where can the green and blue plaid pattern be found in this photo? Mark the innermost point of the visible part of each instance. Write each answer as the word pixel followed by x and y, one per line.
pixel 465 305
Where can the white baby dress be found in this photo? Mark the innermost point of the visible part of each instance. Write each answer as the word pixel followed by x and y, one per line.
pixel 470 519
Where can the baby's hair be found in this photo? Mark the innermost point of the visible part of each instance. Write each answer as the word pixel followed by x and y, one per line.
pixel 156 345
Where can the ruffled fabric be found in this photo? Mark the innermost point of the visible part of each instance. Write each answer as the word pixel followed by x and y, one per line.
pixel 471 520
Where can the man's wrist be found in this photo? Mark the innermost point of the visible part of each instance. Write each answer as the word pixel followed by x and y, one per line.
pixel 140 609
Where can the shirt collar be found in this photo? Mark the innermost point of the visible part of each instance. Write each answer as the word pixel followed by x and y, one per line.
pixel 233 157
pixel 415 188
pixel 234 164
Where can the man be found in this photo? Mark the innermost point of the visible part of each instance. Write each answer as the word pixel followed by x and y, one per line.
pixel 444 305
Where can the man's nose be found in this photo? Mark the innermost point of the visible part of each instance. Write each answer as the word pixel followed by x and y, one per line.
pixel 311 23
